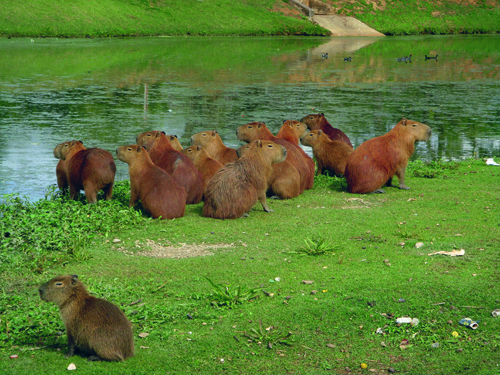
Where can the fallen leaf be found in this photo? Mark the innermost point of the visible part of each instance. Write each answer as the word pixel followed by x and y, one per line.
pixel 307 282
pixel 143 334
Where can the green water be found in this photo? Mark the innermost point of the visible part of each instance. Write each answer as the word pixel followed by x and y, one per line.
pixel 52 90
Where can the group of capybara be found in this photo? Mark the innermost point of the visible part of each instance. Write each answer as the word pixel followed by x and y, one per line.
pixel 165 177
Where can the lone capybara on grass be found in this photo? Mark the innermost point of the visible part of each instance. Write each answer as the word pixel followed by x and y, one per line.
pixel 374 163
pixel 214 146
pixel 177 165
pixel 90 169
pixel 203 162
pixel 93 325
pixel 319 122
pixel 284 181
pixel 155 188
pixel 330 155
pixel 147 139
pixel 258 130
pixel 291 131
pixel 61 174
pixel 237 186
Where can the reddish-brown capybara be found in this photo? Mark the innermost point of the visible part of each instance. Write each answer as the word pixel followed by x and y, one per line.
pixel 214 146
pixel 147 139
pixel 237 186
pixel 61 174
pixel 93 325
pixel 291 131
pixel 90 169
pixel 156 189
pixel 258 130
pixel 374 163
pixel 330 155
pixel 203 162
pixel 319 122
pixel 284 182
pixel 177 165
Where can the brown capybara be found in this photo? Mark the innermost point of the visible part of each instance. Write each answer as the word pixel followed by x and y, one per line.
pixel 319 122
pixel 284 182
pixel 203 162
pixel 147 139
pixel 291 131
pixel 214 146
pixel 258 130
pixel 330 155
pixel 93 325
pixel 89 169
pixel 374 163
pixel 62 178
pixel 177 165
pixel 155 188
pixel 174 141
pixel 237 186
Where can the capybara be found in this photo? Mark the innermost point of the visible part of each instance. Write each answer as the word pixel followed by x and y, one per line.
pixel 319 122
pixel 291 131
pixel 374 163
pixel 155 188
pixel 237 186
pixel 89 169
pixel 330 155
pixel 93 325
pixel 61 174
pixel 258 130
pixel 177 165
pixel 284 182
pixel 148 138
pixel 214 146
pixel 203 162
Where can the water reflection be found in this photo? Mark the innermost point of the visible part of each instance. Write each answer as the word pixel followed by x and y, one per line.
pixel 55 90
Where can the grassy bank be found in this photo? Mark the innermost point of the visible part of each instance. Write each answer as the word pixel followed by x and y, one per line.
pixel 414 17
pixel 367 273
pixel 103 18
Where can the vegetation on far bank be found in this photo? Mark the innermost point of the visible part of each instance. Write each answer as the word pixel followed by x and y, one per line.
pixel 228 295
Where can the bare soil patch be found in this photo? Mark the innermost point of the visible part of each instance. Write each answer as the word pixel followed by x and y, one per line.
pixel 167 250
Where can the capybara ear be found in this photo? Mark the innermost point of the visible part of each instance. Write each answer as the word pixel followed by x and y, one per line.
pixel 320 131
pixel 259 143
pixel 139 149
pixel 81 142
pixel 144 147
pixel 322 114
pixel 175 136
pixel 158 134
pixel 259 125
pixel 403 121
pixel 164 132
pixel 284 121
pixel 74 279
pixel 198 148
pixel 214 133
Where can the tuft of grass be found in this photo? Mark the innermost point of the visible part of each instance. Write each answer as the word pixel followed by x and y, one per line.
pixel 227 295
pixel 315 246
pixel 267 336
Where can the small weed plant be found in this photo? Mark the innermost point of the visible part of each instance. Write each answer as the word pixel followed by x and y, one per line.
pixel 227 295
pixel 315 246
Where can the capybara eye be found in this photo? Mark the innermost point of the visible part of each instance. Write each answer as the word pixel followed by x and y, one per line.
pixel 129 149
pixel 270 146
pixel 59 284
pixel 310 118
pixel 204 134
pixel 250 127
pixel 414 125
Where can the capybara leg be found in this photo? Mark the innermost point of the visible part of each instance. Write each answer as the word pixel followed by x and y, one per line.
pixel 264 204
pixel 71 346
pixel 90 194
pixel 401 176
pixel 389 183
pixel 108 191
pixel 72 192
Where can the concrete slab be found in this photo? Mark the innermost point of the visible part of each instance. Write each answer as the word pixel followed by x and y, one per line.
pixel 344 26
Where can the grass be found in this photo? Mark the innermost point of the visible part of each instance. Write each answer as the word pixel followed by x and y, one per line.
pixel 294 327
pixel 105 18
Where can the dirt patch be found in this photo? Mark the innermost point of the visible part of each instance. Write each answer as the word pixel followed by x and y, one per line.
pixel 157 250
pixel 287 10
pixel 356 203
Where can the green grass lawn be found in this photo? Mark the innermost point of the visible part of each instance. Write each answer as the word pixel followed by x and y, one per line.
pixel 256 315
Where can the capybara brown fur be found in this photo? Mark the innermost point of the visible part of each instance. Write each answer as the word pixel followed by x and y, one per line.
pixel 237 186
pixel 374 163
pixel 156 189
pixel 91 170
pixel 93 325
pixel 330 155
pixel 291 131
pixel 61 174
pixel 147 139
pixel 203 162
pixel 177 165
pixel 258 130
pixel 284 181
pixel 319 122
pixel 214 146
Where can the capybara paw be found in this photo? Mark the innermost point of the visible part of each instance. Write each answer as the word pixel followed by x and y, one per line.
pixel 274 197
pixel 404 187
pixel 379 191
pixel 268 210
pixel 94 358
pixel 245 214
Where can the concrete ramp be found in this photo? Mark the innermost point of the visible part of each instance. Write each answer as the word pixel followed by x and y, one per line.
pixel 344 26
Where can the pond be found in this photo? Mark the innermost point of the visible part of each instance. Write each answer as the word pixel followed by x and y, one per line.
pixel 94 90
